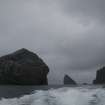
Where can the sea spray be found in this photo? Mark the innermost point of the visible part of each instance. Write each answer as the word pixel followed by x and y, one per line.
pixel 61 96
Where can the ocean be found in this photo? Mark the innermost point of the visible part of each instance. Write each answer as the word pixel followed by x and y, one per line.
pixel 52 95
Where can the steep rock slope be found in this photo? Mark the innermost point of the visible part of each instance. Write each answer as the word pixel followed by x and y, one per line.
pixel 69 80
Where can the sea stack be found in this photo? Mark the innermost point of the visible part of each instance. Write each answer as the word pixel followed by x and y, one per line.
pixel 23 67
pixel 100 76
pixel 68 80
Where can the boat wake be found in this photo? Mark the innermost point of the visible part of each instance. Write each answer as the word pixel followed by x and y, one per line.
pixel 62 96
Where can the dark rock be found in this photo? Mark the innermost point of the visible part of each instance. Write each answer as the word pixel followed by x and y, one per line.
pixel 100 76
pixel 85 84
pixel 23 68
pixel 69 80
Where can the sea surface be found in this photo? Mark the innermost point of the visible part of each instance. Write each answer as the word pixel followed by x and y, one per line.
pixel 52 95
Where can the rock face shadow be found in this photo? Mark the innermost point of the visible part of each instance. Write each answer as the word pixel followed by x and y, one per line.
pixel 100 76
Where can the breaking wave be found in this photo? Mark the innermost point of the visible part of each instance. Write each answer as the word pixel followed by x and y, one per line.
pixel 62 96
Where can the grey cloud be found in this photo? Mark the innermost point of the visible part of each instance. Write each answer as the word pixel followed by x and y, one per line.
pixel 90 9
pixel 67 34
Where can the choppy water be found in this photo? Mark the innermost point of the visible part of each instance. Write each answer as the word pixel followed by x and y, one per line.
pixel 83 95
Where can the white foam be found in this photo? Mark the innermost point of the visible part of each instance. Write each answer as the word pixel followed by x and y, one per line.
pixel 62 96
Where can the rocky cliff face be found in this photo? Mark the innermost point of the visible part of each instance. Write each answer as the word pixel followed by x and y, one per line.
pixel 69 80
pixel 23 68
pixel 100 76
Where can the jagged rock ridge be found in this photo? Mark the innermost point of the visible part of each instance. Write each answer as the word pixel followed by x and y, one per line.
pixel 69 80
pixel 23 68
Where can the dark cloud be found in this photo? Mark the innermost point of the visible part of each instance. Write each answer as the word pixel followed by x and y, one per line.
pixel 87 9
pixel 67 34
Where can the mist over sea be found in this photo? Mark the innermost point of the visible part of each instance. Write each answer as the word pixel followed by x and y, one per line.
pixel 52 95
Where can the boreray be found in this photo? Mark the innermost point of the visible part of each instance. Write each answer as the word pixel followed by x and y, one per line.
pixel 62 96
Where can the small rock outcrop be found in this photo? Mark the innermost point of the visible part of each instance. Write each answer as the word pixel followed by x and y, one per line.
pixel 68 80
pixel 100 76
pixel 23 68
pixel 85 84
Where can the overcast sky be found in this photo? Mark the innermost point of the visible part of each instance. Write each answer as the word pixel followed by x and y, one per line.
pixel 68 34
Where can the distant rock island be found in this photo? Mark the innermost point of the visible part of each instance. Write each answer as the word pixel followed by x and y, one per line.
pixel 85 84
pixel 100 76
pixel 68 80
pixel 23 68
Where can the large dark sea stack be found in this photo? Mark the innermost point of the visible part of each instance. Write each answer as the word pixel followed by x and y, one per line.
pixel 100 76
pixel 23 68
pixel 68 80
